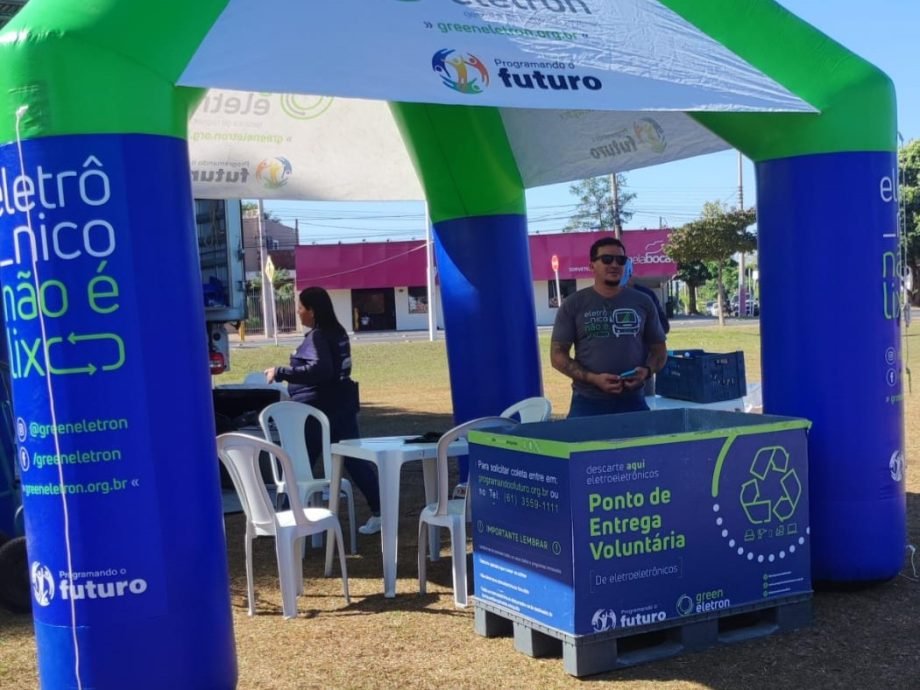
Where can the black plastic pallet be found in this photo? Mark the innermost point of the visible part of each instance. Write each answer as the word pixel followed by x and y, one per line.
pixel 585 655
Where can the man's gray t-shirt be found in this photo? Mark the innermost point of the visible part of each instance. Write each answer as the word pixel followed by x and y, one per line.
pixel 611 335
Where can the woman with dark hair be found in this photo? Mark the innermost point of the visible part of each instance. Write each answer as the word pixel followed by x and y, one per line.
pixel 320 375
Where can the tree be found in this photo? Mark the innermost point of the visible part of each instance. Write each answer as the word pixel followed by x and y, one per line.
pixel 283 284
pixel 596 204
pixel 694 274
pixel 909 167
pixel 715 236
pixel 251 208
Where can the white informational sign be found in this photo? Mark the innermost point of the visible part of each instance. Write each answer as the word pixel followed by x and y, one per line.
pixel 553 146
pixel 288 146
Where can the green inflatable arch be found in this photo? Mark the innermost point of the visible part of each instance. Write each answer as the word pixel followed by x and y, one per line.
pixel 91 101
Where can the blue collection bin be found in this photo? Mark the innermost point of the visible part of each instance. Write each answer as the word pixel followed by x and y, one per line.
pixel 605 523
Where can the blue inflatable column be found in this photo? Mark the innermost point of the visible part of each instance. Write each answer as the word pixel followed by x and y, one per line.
pixel 105 329
pixel 830 325
pixel 9 501
pixel 489 316
pixel 476 200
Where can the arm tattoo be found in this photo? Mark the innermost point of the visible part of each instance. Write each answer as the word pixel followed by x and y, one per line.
pixel 657 357
pixel 575 371
pixel 563 362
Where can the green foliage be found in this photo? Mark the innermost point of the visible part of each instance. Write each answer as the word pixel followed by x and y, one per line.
pixel 710 290
pixel 595 204
pixel 909 167
pixel 714 237
pixel 281 278
pixel 249 206
pixel 285 290
pixel 694 274
pixel 282 282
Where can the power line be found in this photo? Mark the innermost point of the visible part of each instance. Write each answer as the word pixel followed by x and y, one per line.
pixel 325 222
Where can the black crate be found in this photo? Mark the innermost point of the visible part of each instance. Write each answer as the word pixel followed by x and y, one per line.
pixel 702 377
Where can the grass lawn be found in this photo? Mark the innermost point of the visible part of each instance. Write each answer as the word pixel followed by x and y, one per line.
pixel 860 639
pixel 410 379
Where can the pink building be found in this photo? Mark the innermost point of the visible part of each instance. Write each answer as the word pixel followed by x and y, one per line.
pixel 382 285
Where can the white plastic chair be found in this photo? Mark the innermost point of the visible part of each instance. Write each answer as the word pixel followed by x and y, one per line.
pixel 288 419
pixel 240 455
pixel 450 513
pixel 537 409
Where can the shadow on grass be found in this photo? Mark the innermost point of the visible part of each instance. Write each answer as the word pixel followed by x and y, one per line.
pixel 862 638
pixel 382 420
pixel 15 625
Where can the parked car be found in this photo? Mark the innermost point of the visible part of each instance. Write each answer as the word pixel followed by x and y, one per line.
pixel 713 308
pixel 751 307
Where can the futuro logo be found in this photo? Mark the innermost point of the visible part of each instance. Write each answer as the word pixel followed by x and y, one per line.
pixel 460 73
pixel 604 619
pixel 42 584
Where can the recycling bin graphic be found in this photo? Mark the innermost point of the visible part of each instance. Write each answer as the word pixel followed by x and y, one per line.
pixel 774 489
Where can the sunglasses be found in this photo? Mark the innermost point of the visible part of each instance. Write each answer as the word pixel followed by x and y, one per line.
pixel 608 259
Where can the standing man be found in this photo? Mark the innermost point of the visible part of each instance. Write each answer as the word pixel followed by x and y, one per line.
pixel 618 338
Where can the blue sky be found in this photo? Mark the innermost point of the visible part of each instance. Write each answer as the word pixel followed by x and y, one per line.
pixel 882 31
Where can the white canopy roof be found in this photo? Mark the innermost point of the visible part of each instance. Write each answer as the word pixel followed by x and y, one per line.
pixel 309 147
pixel 585 87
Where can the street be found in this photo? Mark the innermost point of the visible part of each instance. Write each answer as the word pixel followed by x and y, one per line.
pixel 678 323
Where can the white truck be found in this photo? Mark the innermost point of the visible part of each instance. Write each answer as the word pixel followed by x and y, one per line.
pixel 219 223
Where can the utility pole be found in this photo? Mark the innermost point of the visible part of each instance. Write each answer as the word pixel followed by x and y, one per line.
pixel 740 181
pixel 431 286
pixel 615 192
pixel 742 294
pixel 268 306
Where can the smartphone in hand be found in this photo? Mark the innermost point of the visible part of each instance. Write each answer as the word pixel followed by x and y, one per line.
pixel 627 374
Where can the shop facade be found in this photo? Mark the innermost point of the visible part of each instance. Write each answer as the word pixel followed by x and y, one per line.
pixel 382 286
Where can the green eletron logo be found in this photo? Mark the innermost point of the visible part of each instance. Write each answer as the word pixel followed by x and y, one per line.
pixel 301 107
pixel 774 489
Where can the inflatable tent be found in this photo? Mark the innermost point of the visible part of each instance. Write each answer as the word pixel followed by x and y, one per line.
pixel 97 249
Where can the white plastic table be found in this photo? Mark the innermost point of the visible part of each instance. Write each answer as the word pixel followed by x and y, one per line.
pixel 389 453
pixel 746 404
